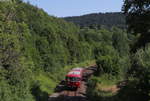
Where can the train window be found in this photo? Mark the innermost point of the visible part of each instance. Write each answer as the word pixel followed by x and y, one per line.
pixel 73 79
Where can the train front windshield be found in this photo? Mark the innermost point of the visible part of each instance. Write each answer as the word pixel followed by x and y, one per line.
pixel 73 79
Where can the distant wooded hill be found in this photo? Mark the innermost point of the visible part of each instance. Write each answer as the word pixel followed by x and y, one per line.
pixel 99 19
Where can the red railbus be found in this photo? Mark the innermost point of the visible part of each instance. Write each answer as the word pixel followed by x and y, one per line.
pixel 74 78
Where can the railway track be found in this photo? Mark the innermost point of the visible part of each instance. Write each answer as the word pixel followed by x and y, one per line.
pixel 73 95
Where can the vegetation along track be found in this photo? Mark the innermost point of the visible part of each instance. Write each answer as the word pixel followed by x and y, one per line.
pixel 64 94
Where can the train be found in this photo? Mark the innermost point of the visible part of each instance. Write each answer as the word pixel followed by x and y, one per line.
pixel 74 78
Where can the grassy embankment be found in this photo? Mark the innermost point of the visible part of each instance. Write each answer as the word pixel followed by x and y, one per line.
pixel 104 88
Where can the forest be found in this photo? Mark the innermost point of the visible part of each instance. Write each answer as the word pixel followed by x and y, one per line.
pixel 36 51
pixel 98 20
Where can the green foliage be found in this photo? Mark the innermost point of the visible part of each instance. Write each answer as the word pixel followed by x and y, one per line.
pixel 34 50
pixel 98 20
pixel 120 41
pixel 112 53
pixel 141 71
pixel 114 59
pixel 138 20
pixel 14 68
pixel 46 84
pixel 108 64
pixel 136 86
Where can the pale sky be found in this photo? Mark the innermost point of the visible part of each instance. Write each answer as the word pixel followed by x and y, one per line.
pixel 62 8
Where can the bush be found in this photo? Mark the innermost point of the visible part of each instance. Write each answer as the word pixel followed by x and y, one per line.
pixel 141 71
pixel 108 60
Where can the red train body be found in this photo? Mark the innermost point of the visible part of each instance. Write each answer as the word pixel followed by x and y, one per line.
pixel 74 77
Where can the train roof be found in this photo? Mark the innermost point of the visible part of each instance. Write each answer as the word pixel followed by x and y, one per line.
pixel 74 74
pixel 77 69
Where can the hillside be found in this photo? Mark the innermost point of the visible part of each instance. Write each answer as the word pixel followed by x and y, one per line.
pixel 99 19
pixel 37 50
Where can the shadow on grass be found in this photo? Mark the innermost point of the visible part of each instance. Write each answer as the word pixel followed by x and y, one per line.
pixel 128 92
pixel 38 94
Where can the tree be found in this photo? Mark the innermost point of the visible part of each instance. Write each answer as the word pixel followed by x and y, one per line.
pixel 98 20
pixel 138 19
pixel 140 71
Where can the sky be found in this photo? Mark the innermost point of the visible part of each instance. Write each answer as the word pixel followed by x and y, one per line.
pixel 63 8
